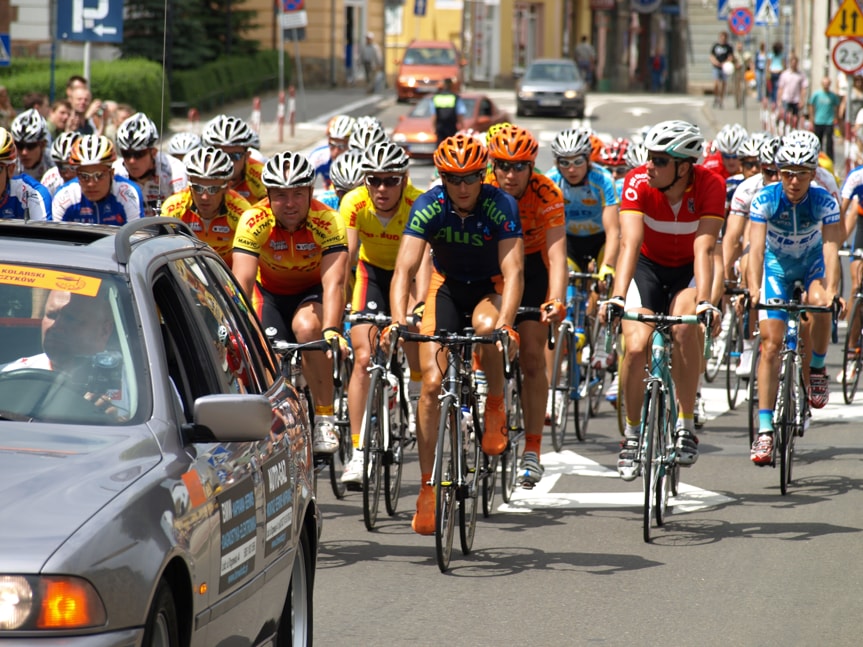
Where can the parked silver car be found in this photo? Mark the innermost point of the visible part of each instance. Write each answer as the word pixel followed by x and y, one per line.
pixel 553 86
pixel 155 468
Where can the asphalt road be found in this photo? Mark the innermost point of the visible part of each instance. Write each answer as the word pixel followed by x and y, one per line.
pixel 736 564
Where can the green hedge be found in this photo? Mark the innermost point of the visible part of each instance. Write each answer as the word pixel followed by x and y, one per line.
pixel 137 82
pixel 228 79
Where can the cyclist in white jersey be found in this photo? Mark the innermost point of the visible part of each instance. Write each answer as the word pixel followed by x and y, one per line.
pixel 62 171
pixel 30 133
pixel 157 174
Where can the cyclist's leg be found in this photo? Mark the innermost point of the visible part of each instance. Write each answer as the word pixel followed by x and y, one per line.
pixel 485 314
pixel 816 375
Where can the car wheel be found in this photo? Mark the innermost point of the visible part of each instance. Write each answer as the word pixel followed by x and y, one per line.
pixel 579 114
pixel 519 111
pixel 162 629
pixel 295 628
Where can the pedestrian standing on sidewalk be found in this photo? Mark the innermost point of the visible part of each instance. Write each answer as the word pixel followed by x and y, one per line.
pixel 793 87
pixel 372 61
pixel 824 103
pixel 719 53
pixel 761 72
pixel 585 58
pixel 775 65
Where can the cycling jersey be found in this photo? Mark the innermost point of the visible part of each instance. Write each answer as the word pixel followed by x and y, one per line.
pixel 330 199
pixel 24 198
pixel 465 248
pixel 714 163
pixel 251 187
pixel 168 178
pixel 731 185
pixel 793 229
pixel 540 208
pixel 669 231
pixel 123 203
pixel 322 161
pixel 825 179
pixel 52 180
pixel 379 241
pixel 583 204
pixel 39 170
pixel 218 232
pixel 289 262
pixel 743 194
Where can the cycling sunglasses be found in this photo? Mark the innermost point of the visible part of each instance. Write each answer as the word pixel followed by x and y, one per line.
pixel 566 162
pixel 236 157
pixel 659 161
pixel 27 145
pixel 790 174
pixel 127 154
pixel 750 164
pixel 506 167
pixel 389 182
pixel 770 172
pixel 211 190
pixel 470 178
pixel 96 176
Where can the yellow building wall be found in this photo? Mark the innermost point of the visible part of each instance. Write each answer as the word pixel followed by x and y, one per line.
pixel 437 24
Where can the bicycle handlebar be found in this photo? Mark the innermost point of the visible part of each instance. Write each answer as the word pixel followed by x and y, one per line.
pixel 794 306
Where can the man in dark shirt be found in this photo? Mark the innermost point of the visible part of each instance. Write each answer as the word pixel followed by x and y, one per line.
pixel 719 53
pixel 449 112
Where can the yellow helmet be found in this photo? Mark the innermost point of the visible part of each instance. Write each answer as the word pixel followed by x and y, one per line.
pixel 493 129
pixel 8 152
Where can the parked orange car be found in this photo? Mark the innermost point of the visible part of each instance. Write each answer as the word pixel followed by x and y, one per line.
pixel 424 66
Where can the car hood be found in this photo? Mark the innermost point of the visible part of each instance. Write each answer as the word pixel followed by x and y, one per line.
pixel 416 129
pixel 550 86
pixel 53 480
pixel 429 71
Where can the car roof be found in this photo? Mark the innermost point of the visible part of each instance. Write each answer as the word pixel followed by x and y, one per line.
pixel 432 43
pixel 544 61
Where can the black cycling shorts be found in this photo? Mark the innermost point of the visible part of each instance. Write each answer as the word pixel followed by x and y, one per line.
pixel 535 286
pixel 371 289
pixel 278 310
pixel 583 249
pixel 450 303
pixel 654 286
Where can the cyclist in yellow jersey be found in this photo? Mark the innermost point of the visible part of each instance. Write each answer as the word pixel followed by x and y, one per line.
pixel 207 205
pixel 375 216
pixel 235 137
pixel 294 250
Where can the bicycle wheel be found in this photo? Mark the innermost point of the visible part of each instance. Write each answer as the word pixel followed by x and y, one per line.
pixel 735 349
pixel 598 377
pixel 343 454
pixel 852 356
pixel 515 427
pixel 489 483
pixel 373 449
pixel 467 492
pixel 786 408
pixel 753 391
pixel 585 385
pixel 621 401
pixel 445 483
pixel 561 378
pixel 717 356
pixel 650 464
pixel 669 474
pixel 394 457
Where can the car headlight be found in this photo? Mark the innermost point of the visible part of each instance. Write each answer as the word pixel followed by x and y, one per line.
pixel 399 138
pixel 570 94
pixel 408 81
pixel 28 603
pixel 525 94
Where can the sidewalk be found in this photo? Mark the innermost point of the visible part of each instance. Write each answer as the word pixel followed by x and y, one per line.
pixel 314 109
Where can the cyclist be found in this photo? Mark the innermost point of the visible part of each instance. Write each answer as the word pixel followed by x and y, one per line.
pixel 823 176
pixel 475 236
pixel 30 133
pixel 157 174
pixel 670 216
pixel 375 216
pixel 62 171
pixel 182 143
pixel 207 205
pixel 339 129
pixel 235 137
pixel 613 157
pixel 346 174
pixel 290 251
pixel 513 151
pixel 96 195
pixel 366 134
pixel 21 196
pixel 795 235
pixel 724 159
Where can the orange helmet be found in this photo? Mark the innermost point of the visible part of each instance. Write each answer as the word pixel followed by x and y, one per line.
pixel 596 146
pixel 460 154
pixel 513 144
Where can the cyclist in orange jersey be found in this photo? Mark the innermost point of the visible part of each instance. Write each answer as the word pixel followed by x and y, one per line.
pixel 235 137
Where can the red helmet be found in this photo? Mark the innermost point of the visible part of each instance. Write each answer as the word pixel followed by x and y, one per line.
pixel 614 153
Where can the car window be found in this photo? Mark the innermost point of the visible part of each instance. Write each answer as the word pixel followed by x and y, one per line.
pixel 70 350
pixel 429 56
pixel 423 109
pixel 552 72
pixel 484 108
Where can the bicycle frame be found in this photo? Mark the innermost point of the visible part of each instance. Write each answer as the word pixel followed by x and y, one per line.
pixel 577 296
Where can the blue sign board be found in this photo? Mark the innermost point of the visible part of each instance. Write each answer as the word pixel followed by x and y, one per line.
pixel 420 7
pixel 5 50
pixel 98 21
pixel 722 10
pixel 766 12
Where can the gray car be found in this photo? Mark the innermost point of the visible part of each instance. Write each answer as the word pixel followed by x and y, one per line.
pixel 155 468
pixel 552 86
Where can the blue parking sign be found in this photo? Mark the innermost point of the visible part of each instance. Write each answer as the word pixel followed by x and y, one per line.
pixel 99 21
pixel 722 10
pixel 5 50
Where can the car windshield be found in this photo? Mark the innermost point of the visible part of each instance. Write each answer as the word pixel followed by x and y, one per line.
pixel 560 72
pixel 429 56
pixel 70 350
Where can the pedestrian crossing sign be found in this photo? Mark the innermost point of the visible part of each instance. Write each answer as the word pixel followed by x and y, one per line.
pixel 766 12
pixel 5 51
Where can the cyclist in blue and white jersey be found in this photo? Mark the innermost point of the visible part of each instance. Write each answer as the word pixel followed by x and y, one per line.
pixel 21 196
pixel 30 133
pixel 339 129
pixel 590 202
pixel 62 171
pixel 795 235
pixel 96 195
pixel 346 174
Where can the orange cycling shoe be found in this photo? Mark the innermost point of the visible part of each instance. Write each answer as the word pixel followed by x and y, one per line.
pixel 494 439
pixel 423 521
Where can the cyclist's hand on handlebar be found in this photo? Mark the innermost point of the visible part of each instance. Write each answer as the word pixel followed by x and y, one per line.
pixel 513 338
pixel 418 310
pixel 605 272
pixel 611 309
pixel 553 311
pixel 709 315
pixel 334 334
pixel 388 335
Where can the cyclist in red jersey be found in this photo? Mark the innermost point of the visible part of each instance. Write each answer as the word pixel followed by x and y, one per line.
pixel 670 216
pixel 513 152
pixel 724 160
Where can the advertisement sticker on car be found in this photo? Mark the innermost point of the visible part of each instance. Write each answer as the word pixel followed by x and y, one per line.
pixel 238 531
pixel 278 512
pixel 37 277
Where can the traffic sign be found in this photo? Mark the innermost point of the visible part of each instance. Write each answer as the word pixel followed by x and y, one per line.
pixel 420 7
pixel 740 21
pixel 766 12
pixel 847 21
pixel 98 21
pixel 5 50
pixel 295 20
pixel 293 5
pixel 848 55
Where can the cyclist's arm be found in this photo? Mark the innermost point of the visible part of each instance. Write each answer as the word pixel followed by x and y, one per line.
pixel 704 246
pixel 555 241
pixel 848 211
pixel 833 236
pixel 353 251
pixel 411 251
pixel 732 246
pixel 245 269
pixel 611 224
pixel 423 275
pixel 333 270
pixel 511 261
pixel 631 237
pixel 757 240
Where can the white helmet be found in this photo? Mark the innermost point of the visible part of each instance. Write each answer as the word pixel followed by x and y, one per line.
pixel 804 137
pixel 364 137
pixel 796 153
pixel 341 127
pixel 635 155
pixel 387 157
pixel 29 127
pixel 730 138
pixel 677 138
pixel 346 171
pixel 61 148
pixel 137 133
pixel 184 142
pixel 572 142
pixel 209 163
pixel 224 130
pixel 751 147
pixel 287 171
pixel 767 152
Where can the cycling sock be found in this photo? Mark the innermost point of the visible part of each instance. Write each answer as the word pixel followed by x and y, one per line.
pixel 424 479
pixel 533 443
pixel 817 360
pixel 324 411
pixel 765 421
pixel 416 376
pixel 685 421
pixel 633 429
pixel 355 439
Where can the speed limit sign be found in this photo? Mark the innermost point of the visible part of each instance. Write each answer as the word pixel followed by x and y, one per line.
pixel 848 55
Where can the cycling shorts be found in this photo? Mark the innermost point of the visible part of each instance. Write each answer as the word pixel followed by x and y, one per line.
pixel 780 273
pixel 372 289
pixel 450 303
pixel 278 310
pixel 583 249
pixel 654 286
pixel 535 286
pixel 858 234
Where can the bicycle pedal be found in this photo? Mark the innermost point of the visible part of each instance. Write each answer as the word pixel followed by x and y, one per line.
pixel 354 487
pixel 528 485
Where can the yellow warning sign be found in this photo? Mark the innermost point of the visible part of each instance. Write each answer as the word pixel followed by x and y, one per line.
pixel 847 21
